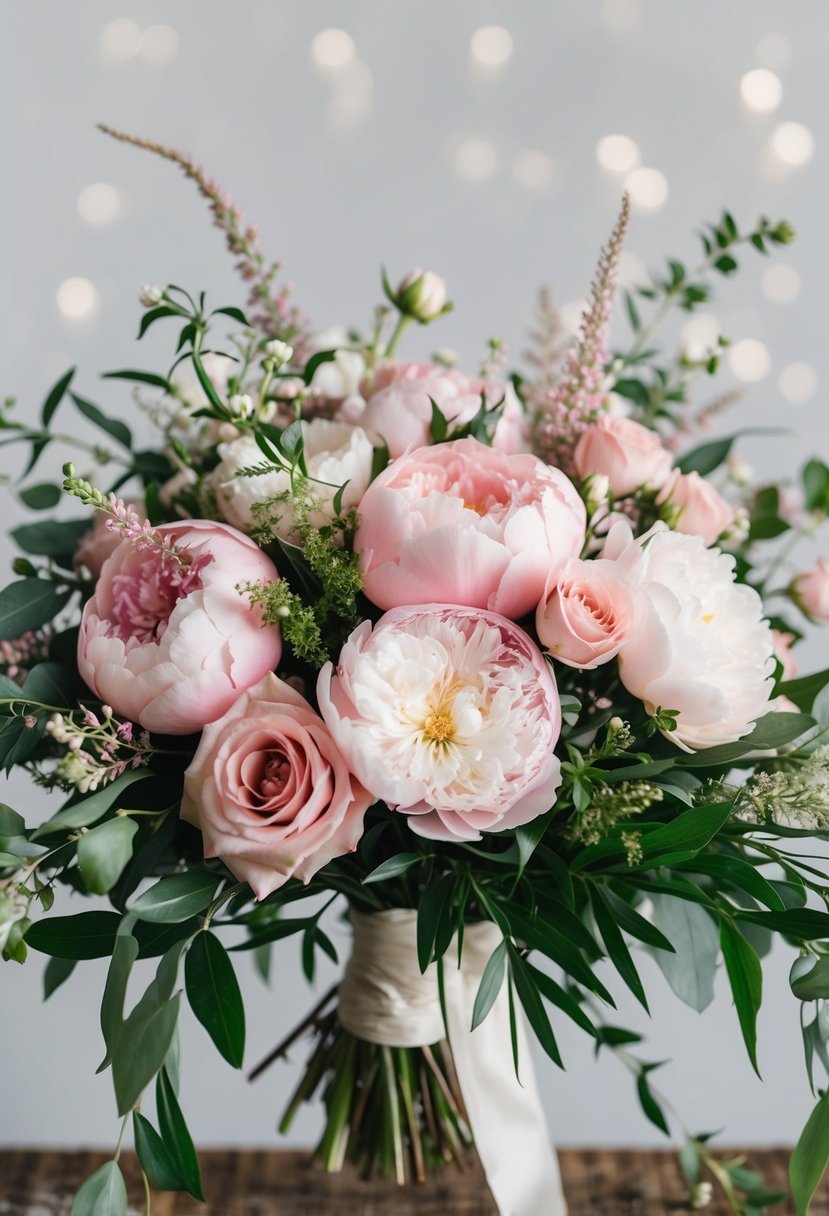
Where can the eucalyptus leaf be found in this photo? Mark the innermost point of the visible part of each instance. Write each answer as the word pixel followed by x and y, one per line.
pixel 176 898
pixel 154 1156
pixel 214 996
pixel 90 809
pixel 490 985
pixel 176 1137
pixel 84 935
pixel 28 604
pixel 691 969
pixel 809 1159
pixel 104 851
pixel 393 867
pixel 140 1051
pixel 746 977
pixel 103 1194
pixel 124 954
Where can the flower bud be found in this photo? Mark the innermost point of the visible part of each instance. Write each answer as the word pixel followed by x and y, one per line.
pixel 279 353
pixel 701 1195
pixel 149 295
pixel 23 567
pixel 241 405
pixel 421 295
pixel 810 591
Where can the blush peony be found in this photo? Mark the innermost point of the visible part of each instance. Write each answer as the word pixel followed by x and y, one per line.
pixel 701 510
pixel 586 617
pixel 700 645
pixel 461 523
pixel 398 410
pixel 334 454
pixel 270 792
pixel 628 454
pixel 450 715
pixel 810 591
pixel 170 643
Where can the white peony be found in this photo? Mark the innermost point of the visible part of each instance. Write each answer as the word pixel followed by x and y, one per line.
pixel 334 454
pixel 340 377
pixel 700 645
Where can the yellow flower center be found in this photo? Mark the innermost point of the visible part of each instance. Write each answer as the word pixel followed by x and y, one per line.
pixel 708 618
pixel 439 727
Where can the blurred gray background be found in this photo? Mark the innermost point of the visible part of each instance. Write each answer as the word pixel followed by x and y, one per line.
pixel 469 137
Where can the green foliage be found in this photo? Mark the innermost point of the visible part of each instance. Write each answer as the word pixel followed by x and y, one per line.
pixel 103 1194
pixel 214 996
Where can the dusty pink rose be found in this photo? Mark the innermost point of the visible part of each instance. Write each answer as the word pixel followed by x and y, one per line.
pixel 96 545
pixel 586 617
pixel 461 523
pixel 702 510
pixel 810 591
pixel 270 792
pixel 170 643
pixel 399 410
pixel 782 643
pixel 628 454
pixel 450 715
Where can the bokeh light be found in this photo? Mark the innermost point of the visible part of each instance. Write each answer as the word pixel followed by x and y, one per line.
pixel 617 153
pixel 476 160
pixel 77 298
pixel 700 336
pixel 532 169
pixel 648 189
pixel 159 45
pixel 780 283
pixel 749 360
pixel 774 51
pixel 798 383
pixel 761 90
pixel 491 46
pixel 793 144
pixel 332 49
pixel 119 40
pixel 99 203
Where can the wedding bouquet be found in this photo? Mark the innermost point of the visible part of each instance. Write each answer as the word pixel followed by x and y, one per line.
pixel 500 665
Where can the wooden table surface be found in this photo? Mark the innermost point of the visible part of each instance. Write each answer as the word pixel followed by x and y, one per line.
pixel 598 1182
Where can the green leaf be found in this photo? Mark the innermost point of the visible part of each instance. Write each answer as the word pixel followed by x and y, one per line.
pixel 615 945
pixel 690 971
pixel 11 823
pixel 709 456
pixel 810 1157
pixel 124 954
pixel 104 852
pixel 54 398
pixel 214 996
pixel 88 810
pixel 690 831
pixel 530 998
pixel 176 898
pixel 490 985
pixel 235 314
pixel 562 999
pixel 653 1111
pixel 55 973
pixel 771 732
pixel 630 921
pixel 558 947
pixel 139 378
pixel 50 684
pixel 809 978
pixel 140 1050
pixel 154 1156
pixel 41 497
pixel 103 1194
pixel 155 314
pixel 434 902
pixel 803 924
pixel 394 867
pixel 117 430
pixel 740 874
pixel 84 935
pixel 322 356
pixel 746 977
pixel 50 537
pixel 28 604
pixel 176 1137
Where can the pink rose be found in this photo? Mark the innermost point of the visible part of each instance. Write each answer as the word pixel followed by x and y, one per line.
pixel 702 510
pixel 782 643
pixel 450 715
pixel 810 591
pixel 628 454
pixel 270 792
pixel 587 616
pixel 169 642
pixel 399 410
pixel 461 523
pixel 96 545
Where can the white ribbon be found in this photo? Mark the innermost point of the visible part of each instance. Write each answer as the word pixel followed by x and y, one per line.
pixel 384 998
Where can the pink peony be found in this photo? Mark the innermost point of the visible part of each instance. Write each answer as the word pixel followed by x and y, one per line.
pixel 782 643
pixel 587 616
pixel 810 591
pixel 628 454
pixel 702 510
pixel 461 523
pixel 97 544
pixel 399 410
pixel 270 792
pixel 450 715
pixel 168 641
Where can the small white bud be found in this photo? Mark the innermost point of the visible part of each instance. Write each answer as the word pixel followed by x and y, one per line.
pixel 422 295
pixel 241 405
pixel 598 487
pixel 279 352
pixel 615 724
pixel 283 611
pixel 150 295
pixel 701 1195
pixel 107 711
pixel 446 357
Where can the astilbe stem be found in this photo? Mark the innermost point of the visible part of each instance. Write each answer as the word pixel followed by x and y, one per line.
pixel 581 394
pixel 271 310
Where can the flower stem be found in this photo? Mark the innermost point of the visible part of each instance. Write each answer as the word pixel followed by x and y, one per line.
pixel 397 333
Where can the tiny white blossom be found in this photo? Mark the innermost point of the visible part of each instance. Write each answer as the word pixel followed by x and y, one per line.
pixel 701 1195
pixel 150 295
pixel 241 405
pixel 279 351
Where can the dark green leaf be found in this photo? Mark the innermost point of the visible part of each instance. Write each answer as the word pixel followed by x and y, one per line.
pixel 771 732
pixel 113 427
pixel 50 684
pixel 739 873
pixel 809 978
pixel 84 935
pixel 630 921
pixel 235 314
pixel 615 945
pixel 176 1137
pixel 322 356
pixel 88 810
pixel 41 497
pixel 691 830
pixel 139 378
pixel 55 973
pixel 50 537
pixel 650 1106
pixel 490 985
pixel 124 954
pixel 434 902
pixel 562 999
pixel 746 977
pixel 530 998
pixel 154 1156
pixel 155 314
pixel 809 1159
pixel 54 398
pixel 213 992
pixel 176 898
pixel 103 1194
pixel 28 604
pixel 140 1051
